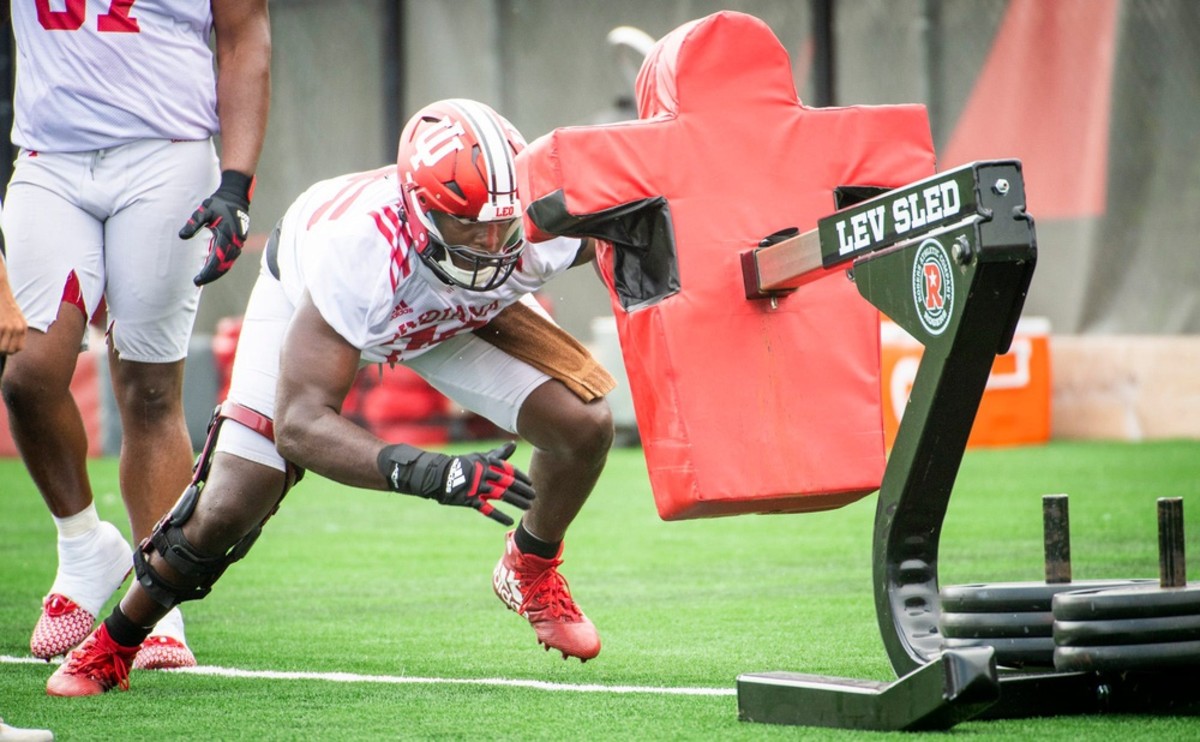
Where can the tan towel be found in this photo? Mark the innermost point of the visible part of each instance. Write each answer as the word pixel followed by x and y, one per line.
pixel 523 333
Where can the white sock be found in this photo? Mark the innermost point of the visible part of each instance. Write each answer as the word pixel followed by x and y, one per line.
pixel 170 625
pixel 92 566
pixel 78 524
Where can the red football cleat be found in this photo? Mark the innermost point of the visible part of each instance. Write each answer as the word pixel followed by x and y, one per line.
pixel 166 648
pixel 163 653
pixel 62 625
pixel 532 586
pixel 96 666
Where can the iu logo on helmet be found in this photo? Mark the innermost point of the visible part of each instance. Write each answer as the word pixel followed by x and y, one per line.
pixel 435 142
pixel 933 286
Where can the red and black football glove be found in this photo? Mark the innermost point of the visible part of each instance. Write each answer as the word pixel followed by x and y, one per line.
pixel 470 480
pixel 227 214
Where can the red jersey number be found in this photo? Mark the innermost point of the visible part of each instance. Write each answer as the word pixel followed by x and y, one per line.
pixel 116 20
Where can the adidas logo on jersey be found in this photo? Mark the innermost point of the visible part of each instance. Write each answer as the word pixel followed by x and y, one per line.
pixel 455 478
pixel 401 309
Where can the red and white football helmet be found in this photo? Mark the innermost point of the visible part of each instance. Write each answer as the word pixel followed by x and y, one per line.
pixel 459 185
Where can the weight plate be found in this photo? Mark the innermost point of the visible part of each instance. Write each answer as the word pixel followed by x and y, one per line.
pixel 1012 625
pixel 1035 652
pixel 1128 657
pixel 1020 597
pixel 1132 601
pixel 1121 631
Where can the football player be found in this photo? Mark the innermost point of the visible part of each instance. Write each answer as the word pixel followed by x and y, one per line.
pixel 115 111
pixel 409 264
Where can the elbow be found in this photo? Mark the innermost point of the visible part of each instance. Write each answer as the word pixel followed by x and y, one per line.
pixel 287 442
pixel 290 436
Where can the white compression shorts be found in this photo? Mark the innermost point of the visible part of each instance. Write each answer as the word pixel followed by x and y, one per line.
pixel 112 218
pixel 470 371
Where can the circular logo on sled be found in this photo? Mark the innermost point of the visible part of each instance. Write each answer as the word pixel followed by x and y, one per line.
pixel 933 286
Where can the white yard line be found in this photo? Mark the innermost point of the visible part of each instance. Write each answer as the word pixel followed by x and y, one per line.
pixel 349 677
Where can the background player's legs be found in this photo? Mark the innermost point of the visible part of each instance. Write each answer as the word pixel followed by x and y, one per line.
pixel 156 451
pixel 93 556
pixel 46 423
pixel 55 265
pixel 152 303
pixel 155 466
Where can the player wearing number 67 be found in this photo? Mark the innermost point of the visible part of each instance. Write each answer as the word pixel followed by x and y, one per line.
pixel 422 263
pixel 115 113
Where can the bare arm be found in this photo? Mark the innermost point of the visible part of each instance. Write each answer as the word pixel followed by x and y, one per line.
pixel 317 369
pixel 586 254
pixel 243 44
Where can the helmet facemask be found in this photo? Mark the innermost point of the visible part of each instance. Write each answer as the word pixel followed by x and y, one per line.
pixel 470 254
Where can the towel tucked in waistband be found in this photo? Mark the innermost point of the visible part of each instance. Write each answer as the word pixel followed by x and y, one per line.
pixel 523 333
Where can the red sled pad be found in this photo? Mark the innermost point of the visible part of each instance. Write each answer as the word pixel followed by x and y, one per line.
pixel 742 405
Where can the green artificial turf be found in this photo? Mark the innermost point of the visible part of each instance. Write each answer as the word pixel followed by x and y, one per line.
pixel 372 584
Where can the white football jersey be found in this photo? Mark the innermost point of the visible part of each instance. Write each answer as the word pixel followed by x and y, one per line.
pixel 345 242
pixel 93 74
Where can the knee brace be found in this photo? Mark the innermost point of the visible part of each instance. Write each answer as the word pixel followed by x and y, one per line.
pixel 201 570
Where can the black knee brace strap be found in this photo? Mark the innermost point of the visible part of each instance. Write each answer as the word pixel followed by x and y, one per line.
pixel 170 543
